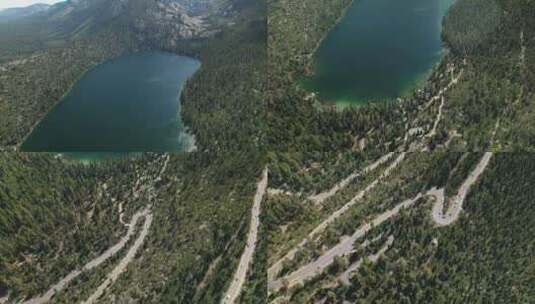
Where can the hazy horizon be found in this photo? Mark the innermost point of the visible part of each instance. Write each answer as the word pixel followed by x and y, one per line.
pixel 22 3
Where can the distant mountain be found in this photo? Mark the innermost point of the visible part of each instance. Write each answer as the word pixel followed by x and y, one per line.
pixel 20 12
pixel 164 22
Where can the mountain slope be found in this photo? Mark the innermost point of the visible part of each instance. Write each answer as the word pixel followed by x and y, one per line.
pixel 164 21
pixel 74 36
pixel 198 205
pixel 21 12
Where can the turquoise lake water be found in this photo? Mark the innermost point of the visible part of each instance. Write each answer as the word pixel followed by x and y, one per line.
pixel 128 104
pixel 378 51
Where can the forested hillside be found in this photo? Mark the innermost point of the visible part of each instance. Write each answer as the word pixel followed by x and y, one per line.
pixel 31 86
pixel 54 216
pixel 396 202
pixel 487 257
pixel 223 103
pixel 498 48
pixel 478 98
pixel 381 239
pixel 231 45
pixel 174 225
pixel 20 12
pixel 57 216
pixel 305 138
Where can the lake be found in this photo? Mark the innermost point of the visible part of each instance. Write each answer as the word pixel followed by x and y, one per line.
pixel 380 50
pixel 128 104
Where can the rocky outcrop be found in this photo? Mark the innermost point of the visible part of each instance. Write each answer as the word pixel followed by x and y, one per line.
pixel 162 22
pixel 171 21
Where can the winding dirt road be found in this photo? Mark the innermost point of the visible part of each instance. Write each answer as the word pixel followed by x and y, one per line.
pixel 343 248
pixel 121 267
pixel 110 252
pixel 442 218
pixel 246 259
pixel 130 255
pixel 91 264
pixel 121 215
pixel 275 269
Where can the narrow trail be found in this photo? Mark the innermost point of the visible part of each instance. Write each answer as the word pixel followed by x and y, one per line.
pixel 345 276
pixel 235 288
pixel 164 168
pixel 321 197
pixel 433 131
pixel 440 95
pixel 493 135
pixel 522 60
pixel 345 246
pixel 216 262
pixel 62 284
pixel 121 215
pixel 121 267
pixel 454 81
pixel 438 118
pixel 130 255
pixel 522 51
pixel 110 252
pixel 275 269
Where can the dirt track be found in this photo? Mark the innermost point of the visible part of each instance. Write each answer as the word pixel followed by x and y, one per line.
pixel 121 267
pixel 277 266
pixel 246 259
pixel 345 246
pixel 442 218
pixel 62 284
pixel 321 197
pixel 433 131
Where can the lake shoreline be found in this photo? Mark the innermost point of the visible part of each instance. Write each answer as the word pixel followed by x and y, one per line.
pixel 309 71
pixel 408 85
pixel 19 145
pixel 135 98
